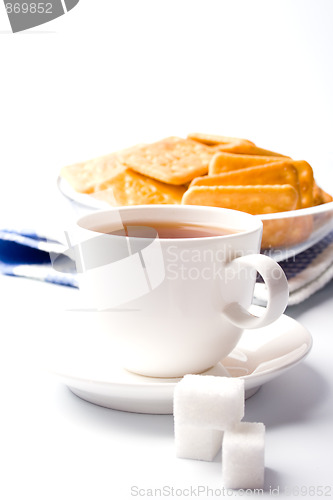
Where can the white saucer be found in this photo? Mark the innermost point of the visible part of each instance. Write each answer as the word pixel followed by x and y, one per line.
pixel 92 371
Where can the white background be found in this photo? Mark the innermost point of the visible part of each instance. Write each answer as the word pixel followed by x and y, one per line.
pixel 110 74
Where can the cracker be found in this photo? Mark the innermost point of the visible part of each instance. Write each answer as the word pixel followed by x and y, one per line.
pixel 244 148
pixel 225 162
pixel 131 188
pixel 232 144
pixel 287 232
pixel 214 140
pixel 306 181
pixel 172 160
pixel 252 199
pixel 85 177
pixel 317 194
pixel 320 196
pixel 325 197
pixel 280 172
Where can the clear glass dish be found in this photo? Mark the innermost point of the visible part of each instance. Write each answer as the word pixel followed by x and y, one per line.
pixel 285 234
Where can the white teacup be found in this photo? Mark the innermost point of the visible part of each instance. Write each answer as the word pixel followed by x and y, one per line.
pixel 174 305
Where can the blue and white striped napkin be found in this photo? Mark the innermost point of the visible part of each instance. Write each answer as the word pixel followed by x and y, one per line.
pixel 27 253
pixel 307 272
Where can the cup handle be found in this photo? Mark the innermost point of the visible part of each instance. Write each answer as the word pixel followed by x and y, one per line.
pixel 277 287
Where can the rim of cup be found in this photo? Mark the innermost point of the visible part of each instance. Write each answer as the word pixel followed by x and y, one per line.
pixel 242 223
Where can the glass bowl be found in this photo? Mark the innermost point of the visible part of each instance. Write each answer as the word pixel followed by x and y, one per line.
pixel 285 234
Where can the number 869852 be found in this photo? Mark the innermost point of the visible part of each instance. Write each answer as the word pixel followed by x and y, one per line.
pixel 29 8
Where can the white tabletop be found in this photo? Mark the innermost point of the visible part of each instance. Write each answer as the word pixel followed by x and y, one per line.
pixel 55 445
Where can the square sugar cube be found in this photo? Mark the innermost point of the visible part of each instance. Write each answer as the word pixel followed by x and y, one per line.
pixel 197 443
pixel 209 402
pixel 243 456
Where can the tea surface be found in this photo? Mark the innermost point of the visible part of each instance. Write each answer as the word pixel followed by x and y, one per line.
pixel 167 230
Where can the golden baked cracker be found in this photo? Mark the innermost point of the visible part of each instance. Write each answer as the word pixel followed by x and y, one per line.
pixel 85 177
pixel 131 188
pixel 244 148
pixel 317 194
pixel 172 160
pixel 214 140
pixel 252 199
pixel 232 144
pixel 225 162
pixel 320 196
pixel 326 197
pixel 280 172
pixel 280 233
pixel 305 176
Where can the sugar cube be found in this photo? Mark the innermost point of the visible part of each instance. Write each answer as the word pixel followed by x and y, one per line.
pixel 209 402
pixel 243 456
pixel 197 443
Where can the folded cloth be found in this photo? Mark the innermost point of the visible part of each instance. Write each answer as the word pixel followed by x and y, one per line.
pixel 306 272
pixel 30 254
pixel 27 253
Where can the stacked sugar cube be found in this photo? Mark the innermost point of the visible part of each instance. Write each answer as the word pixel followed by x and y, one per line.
pixel 207 414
